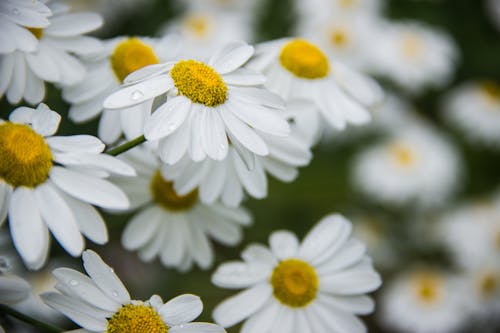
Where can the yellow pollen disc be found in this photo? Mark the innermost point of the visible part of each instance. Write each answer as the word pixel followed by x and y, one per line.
pixel 37 32
pixel 199 82
pixel 131 55
pixel 198 25
pixel 347 3
pixel 294 283
pixel 411 46
pixel 339 37
pixel 427 287
pixel 164 194
pixel 136 319
pixel 304 59
pixel 491 90
pixel 488 285
pixel 402 155
pixel 25 157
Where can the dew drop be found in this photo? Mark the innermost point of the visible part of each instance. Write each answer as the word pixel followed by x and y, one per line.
pixel 115 294
pixel 73 283
pixel 137 94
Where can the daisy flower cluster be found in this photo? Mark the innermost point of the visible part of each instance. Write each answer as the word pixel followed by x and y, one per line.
pixel 165 141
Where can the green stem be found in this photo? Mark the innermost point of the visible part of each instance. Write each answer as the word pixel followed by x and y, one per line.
pixel 27 319
pixel 126 146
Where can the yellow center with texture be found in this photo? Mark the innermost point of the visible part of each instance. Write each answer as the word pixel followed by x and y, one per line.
pixel 164 194
pixel 131 55
pixel 304 59
pixel 136 319
pixel 199 82
pixel 25 157
pixel 294 282
pixel 428 287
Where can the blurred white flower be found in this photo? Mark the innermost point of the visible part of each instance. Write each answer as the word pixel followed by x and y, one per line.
pixel 22 74
pixel 175 228
pixel 493 10
pixel 119 57
pixel 17 17
pixel 317 286
pixel 354 8
pixel 297 69
pixel 100 302
pixel 474 108
pixel 415 165
pixel 209 104
pixel 423 300
pixel 414 55
pixel 49 182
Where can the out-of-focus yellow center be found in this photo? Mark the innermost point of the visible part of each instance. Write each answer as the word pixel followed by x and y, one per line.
pixel 411 45
pixel 402 155
pixel 199 82
pixel 304 59
pixel 37 32
pixel 197 24
pixel 428 287
pixel 25 157
pixel 339 37
pixel 491 90
pixel 131 55
pixel 136 319
pixel 294 282
pixel 347 3
pixel 488 284
pixel 164 194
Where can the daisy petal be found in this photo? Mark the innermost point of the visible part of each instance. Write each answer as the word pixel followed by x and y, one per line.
pixel 167 118
pixel 237 275
pixel 356 280
pixel 181 309
pixel 244 77
pixel 197 328
pixel 284 244
pixel 232 56
pixel 13 289
pixel 141 228
pixel 73 24
pixel 262 320
pixel 76 143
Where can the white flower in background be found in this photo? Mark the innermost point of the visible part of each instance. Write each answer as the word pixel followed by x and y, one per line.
pixel 472 232
pixel 205 29
pixel 423 300
pixel 474 108
pixel 415 165
pixel 22 74
pixel 317 286
pixel 100 302
pixel 393 113
pixel 242 170
pixel 16 17
pixel 353 8
pixel 209 104
pixel 297 69
pixel 414 55
pixel 175 228
pixel 119 57
pixel 493 10
pixel 49 182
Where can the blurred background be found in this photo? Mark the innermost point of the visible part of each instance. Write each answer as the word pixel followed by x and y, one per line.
pixel 436 240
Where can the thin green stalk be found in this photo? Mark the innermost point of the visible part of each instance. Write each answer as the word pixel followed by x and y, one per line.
pixel 126 146
pixel 27 319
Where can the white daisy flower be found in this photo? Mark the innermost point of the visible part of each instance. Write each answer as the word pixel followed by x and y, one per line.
pixel 472 232
pixel 48 182
pixel 175 228
pixel 208 105
pixel 423 300
pixel 317 286
pixel 22 74
pixel 100 302
pixel 297 69
pixel 414 165
pixel 414 55
pixel 243 171
pixel 353 8
pixel 16 16
pixel 119 57
pixel 206 29
pixel 474 108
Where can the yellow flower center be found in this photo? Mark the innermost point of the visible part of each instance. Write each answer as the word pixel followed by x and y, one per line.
pixel 427 287
pixel 136 319
pixel 164 194
pixel 294 283
pixel 339 37
pixel 347 3
pixel 491 90
pixel 25 157
pixel 411 46
pixel 37 32
pixel 304 59
pixel 402 155
pixel 199 82
pixel 197 24
pixel 131 55
pixel 488 285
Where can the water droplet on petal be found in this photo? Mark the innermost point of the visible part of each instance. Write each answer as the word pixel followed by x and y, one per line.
pixel 73 283
pixel 137 94
pixel 115 294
